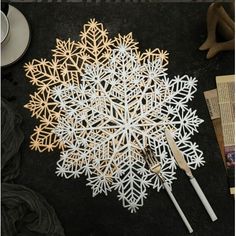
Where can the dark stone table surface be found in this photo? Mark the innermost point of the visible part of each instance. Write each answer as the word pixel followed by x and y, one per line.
pixel 179 28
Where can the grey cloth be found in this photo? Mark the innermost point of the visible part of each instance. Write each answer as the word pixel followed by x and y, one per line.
pixel 24 212
pixel 11 139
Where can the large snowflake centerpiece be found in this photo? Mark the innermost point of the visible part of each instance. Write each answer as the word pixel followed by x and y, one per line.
pixel 116 111
pixel 102 101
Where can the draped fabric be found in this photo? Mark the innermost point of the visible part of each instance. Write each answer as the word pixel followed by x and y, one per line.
pixel 24 212
pixel 11 139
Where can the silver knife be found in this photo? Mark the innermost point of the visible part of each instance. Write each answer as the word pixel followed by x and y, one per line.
pixel 184 166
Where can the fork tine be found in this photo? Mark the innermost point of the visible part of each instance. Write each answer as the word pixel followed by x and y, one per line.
pixel 149 156
pixel 145 156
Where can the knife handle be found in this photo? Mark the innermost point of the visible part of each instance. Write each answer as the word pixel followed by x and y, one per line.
pixel 203 199
pixel 168 190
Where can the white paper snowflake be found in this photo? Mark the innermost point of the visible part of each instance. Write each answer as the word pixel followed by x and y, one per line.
pixel 116 111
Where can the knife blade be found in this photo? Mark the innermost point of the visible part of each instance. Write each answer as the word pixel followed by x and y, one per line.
pixel 177 153
pixel 184 166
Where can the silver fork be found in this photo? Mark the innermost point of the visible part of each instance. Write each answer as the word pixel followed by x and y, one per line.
pixel 155 167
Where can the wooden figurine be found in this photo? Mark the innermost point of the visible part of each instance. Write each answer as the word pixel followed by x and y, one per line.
pixel 218 19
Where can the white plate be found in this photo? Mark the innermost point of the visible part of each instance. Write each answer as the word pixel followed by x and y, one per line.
pixel 19 37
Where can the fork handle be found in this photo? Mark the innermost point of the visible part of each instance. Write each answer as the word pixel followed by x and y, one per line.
pixel 168 190
pixel 203 199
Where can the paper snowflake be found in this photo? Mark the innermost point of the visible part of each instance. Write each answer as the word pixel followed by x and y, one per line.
pixel 112 106
pixel 69 59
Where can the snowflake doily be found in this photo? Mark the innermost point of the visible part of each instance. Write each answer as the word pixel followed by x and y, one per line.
pixel 108 109
pixel 69 59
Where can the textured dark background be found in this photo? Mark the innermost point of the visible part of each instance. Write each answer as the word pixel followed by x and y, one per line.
pixel 179 28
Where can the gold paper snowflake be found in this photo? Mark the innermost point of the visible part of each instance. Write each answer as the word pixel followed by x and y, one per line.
pixel 66 67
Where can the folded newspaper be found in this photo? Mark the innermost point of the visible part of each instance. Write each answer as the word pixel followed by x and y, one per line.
pixel 221 106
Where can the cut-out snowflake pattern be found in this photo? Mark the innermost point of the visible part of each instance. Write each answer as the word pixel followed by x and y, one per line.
pixel 116 111
pixel 102 101
pixel 69 60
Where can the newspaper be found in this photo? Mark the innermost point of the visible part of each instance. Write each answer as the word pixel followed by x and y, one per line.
pixel 226 96
pixel 212 102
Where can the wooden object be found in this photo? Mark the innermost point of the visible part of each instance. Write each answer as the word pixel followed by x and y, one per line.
pixel 218 17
